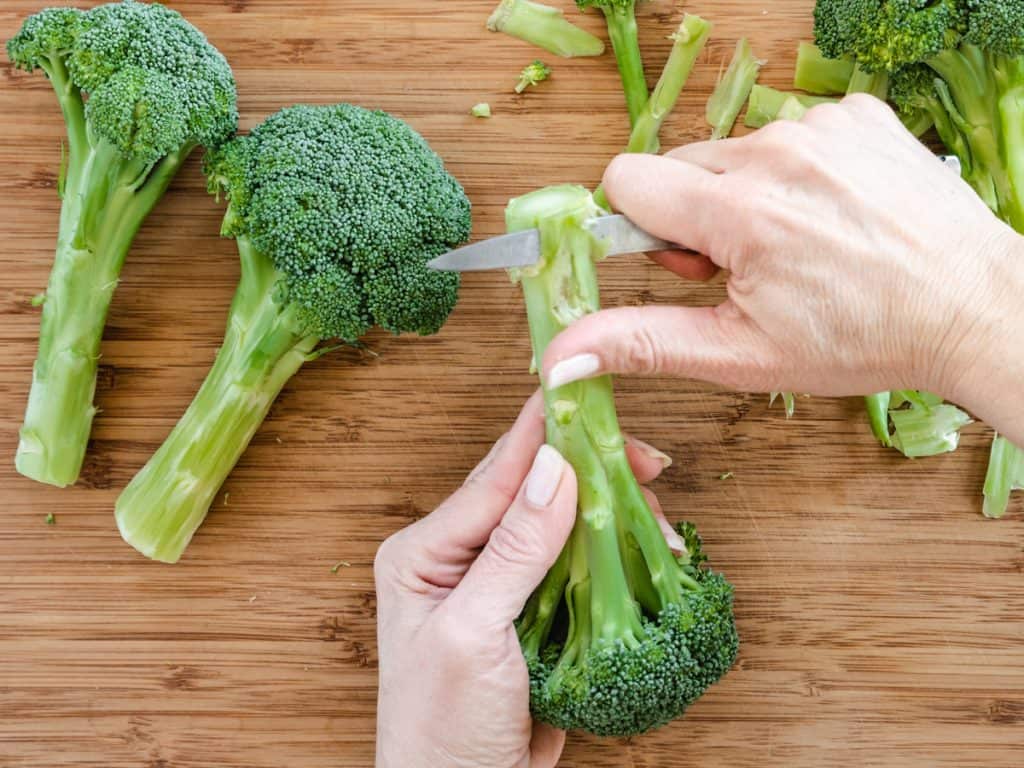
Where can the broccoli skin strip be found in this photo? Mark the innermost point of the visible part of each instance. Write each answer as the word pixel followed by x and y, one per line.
pixel 620 16
pixel 336 211
pixel 139 88
pixel 733 90
pixel 621 636
pixel 545 27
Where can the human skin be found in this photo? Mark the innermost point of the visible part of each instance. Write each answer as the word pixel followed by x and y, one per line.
pixel 856 263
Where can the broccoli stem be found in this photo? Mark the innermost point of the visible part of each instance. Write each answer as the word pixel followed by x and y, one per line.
pixel 818 74
pixel 1005 475
pixel 765 104
pixel 106 199
pixel 732 91
pixel 263 348
pixel 878 415
pixel 688 41
pixel 545 27
pixel 623 32
pixel 874 83
pixel 921 431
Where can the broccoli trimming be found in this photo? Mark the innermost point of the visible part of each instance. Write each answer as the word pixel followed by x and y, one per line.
pixel 620 16
pixel 959 64
pixel 533 74
pixel 139 88
pixel 622 635
pixel 335 211
pixel 545 27
pixel 733 90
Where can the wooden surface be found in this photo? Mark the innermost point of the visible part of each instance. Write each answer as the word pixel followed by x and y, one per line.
pixel 882 617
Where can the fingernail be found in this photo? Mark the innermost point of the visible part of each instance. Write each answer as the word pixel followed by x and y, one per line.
pixel 675 541
pixel 573 369
pixel 545 477
pixel 652 453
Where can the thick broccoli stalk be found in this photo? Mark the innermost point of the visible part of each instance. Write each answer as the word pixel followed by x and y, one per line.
pixel 620 16
pixel 140 88
pixel 818 74
pixel 622 635
pixel 336 211
pixel 545 27
pixel 766 103
pixel 733 90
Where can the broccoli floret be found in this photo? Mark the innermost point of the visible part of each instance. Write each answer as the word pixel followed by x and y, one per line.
pixel 620 16
pixel 336 211
pixel 622 635
pixel 140 88
pixel 533 74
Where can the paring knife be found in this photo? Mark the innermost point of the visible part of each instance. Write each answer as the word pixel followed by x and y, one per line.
pixel 522 249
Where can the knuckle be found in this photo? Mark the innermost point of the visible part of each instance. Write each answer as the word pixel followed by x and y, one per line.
pixel 825 115
pixel 644 353
pixel 386 558
pixel 781 135
pixel 513 544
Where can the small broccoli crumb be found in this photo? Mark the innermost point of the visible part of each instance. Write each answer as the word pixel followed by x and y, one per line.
pixel 532 75
pixel 483 109
pixel 51 519
pixel 340 564
pixel 726 476
pixel 38 300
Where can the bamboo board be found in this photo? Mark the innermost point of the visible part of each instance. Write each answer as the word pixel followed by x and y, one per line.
pixel 882 617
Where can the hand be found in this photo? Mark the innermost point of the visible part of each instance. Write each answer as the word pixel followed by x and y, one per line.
pixel 857 263
pixel 454 689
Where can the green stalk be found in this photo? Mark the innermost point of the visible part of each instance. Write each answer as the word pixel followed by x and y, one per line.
pixel 878 415
pixel 733 90
pixel 818 74
pixel 106 199
pixel 765 104
pixel 1010 77
pixel 687 43
pixel 545 27
pixel 927 431
pixel 263 348
pixel 874 83
pixel 623 33
pixel 1005 475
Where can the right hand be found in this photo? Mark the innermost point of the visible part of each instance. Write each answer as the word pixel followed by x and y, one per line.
pixel 857 263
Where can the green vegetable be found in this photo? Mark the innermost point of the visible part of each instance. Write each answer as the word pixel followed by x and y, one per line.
pixel 336 211
pixel 765 103
pixel 532 75
pixel 1005 475
pixel 816 73
pixel 620 16
pixel 622 635
pixel 791 109
pixel 140 88
pixel 483 109
pixel 545 27
pixel 874 83
pixel 733 90
pixel 788 398
pixel 687 43
pixel 51 519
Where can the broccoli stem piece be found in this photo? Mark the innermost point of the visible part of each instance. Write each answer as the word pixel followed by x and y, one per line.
pixel 1005 475
pixel 765 104
pixel 733 90
pixel 620 18
pixel 927 429
pixel 545 27
pixel 688 41
pixel 818 74
pixel 106 199
pixel 263 348
pixel 878 414
pixel 874 83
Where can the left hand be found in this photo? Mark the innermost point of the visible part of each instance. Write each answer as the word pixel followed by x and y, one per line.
pixel 454 688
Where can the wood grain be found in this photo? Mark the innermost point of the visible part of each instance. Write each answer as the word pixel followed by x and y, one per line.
pixel 882 617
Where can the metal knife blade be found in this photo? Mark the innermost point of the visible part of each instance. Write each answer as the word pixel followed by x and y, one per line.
pixel 522 249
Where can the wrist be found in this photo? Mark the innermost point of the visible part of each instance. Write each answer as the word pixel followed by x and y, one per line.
pixel 981 364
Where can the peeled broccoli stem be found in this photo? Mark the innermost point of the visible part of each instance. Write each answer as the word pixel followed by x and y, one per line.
pixel 1005 475
pixel 615 527
pixel 733 90
pixel 263 348
pixel 545 27
pixel 106 197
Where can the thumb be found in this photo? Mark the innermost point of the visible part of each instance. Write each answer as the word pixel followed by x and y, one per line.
pixel 523 547
pixel 716 344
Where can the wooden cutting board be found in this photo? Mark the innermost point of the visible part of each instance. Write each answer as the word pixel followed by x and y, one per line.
pixel 882 617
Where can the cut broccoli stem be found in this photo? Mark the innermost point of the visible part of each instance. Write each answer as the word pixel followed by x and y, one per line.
pixel 263 348
pixel 878 415
pixel 107 197
pixel 545 27
pixel 688 41
pixel 791 109
pixel 818 74
pixel 788 402
pixel 765 103
pixel 733 90
pixel 622 31
pixel 1005 475
pixel 874 83
pixel 921 431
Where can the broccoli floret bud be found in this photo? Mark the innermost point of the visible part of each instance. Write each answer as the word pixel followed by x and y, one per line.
pixel 45 37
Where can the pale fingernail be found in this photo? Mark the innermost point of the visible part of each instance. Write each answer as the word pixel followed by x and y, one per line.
pixel 573 369
pixel 675 541
pixel 545 477
pixel 652 453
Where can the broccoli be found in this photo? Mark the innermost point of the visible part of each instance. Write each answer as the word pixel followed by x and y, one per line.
pixel 765 103
pixel 335 210
pixel 733 90
pixel 545 27
pixel 622 635
pixel 818 74
pixel 532 75
pixel 140 88
pixel 483 109
pixel 620 16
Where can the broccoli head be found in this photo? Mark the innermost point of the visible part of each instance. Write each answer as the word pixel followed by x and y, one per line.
pixel 139 88
pixel 336 211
